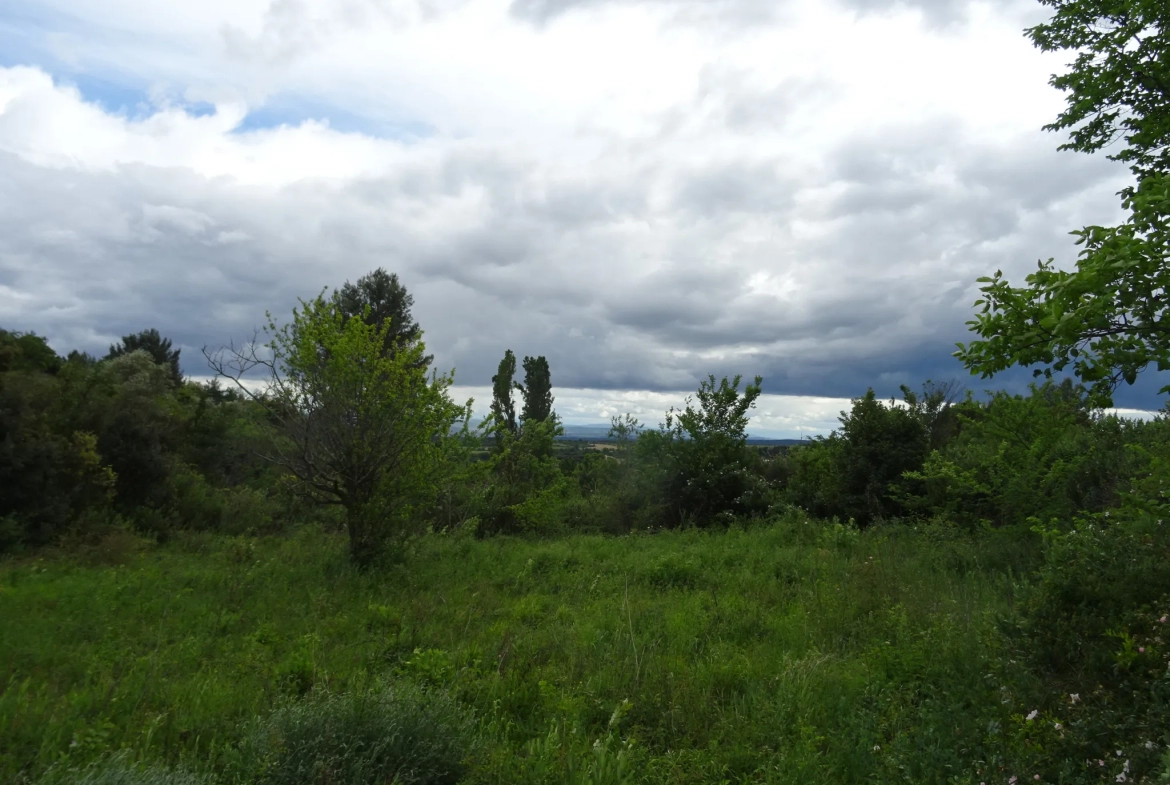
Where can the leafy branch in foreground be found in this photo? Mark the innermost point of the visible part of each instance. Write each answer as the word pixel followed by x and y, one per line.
pixel 1107 318
pixel 1119 84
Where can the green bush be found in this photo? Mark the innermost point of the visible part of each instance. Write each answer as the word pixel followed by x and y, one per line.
pixel 399 734
pixel 1045 456
pixel 1094 626
pixel 856 473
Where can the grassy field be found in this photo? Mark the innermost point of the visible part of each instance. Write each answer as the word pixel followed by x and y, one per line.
pixel 795 652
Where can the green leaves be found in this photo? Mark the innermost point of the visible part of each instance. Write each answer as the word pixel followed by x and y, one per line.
pixel 1106 318
pixel 1118 85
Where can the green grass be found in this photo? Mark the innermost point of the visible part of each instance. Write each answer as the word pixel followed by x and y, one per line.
pixel 796 652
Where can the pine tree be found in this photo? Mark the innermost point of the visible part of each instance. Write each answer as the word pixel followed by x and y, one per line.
pixel 159 348
pixel 387 299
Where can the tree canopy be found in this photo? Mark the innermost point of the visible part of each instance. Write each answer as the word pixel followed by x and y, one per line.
pixel 503 413
pixel 159 349
pixel 360 427
pixel 1119 84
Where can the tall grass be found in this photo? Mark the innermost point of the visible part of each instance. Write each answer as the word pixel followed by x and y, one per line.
pixel 793 652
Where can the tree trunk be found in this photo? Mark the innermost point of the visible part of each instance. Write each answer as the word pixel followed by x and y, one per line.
pixel 365 545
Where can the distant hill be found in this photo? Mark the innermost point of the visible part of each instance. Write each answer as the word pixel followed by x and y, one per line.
pixel 600 431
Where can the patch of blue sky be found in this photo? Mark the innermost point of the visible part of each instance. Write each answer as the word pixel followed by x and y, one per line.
pixel 125 98
pixel 286 111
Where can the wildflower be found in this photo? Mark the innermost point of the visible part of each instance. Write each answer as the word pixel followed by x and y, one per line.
pixel 1074 697
pixel 877 747
pixel 1012 780
pixel 1141 649
pixel 1150 745
pixel 1121 777
pixel 1100 762
pixel 1032 715
pixel 1035 776
pixel 1162 620
pixel 1058 726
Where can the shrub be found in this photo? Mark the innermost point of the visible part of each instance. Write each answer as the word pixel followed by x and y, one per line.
pixel 1044 456
pixel 855 473
pixel 117 769
pixel 400 734
pixel 1093 627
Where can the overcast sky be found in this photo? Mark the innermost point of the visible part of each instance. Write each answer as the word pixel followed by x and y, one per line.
pixel 643 191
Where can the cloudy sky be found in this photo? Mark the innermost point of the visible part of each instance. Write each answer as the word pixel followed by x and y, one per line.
pixel 644 191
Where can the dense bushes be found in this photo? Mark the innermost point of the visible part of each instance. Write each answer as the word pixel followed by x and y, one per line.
pixel 1010 460
pixel 86 444
pixel 1092 628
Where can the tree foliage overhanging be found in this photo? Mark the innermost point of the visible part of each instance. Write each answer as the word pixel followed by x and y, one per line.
pixel 1106 319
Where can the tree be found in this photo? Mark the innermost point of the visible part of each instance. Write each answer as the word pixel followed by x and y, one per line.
pixel 879 444
pixel 1107 319
pixel 26 352
pixel 380 297
pixel 503 415
pixel 935 409
pixel 360 428
pixel 537 391
pixel 156 346
pixel 705 451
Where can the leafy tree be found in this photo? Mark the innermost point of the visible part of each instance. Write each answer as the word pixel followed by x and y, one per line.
pixel 26 352
pixel 380 297
pixel 503 414
pixel 935 409
pixel 525 481
pixel 1107 318
pixel 537 391
pixel 360 428
pixel 880 443
pixel 704 449
pixel 156 346
pixel 127 403
pixel 49 476
pixel 623 429
pixel 1119 84
pixel 1046 455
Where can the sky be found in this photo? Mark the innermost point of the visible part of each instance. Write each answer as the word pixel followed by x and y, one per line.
pixel 645 191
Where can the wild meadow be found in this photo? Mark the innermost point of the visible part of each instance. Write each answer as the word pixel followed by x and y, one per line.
pixel 790 651
pixel 787 651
